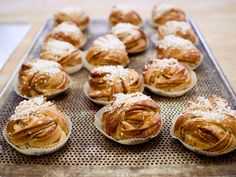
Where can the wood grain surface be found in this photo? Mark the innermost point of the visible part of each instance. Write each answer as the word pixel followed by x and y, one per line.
pixel 215 18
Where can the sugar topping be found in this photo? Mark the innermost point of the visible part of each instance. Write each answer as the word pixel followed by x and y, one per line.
pixel 172 27
pixel 125 28
pixel 159 10
pixel 71 10
pixel 28 107
pixel 44 67
pixel 175 42
pixel 128 99
pixel 67 28
pixel 59 48
pixel 109 42
pixel 113 72
pixel 218 109
pixel 163 64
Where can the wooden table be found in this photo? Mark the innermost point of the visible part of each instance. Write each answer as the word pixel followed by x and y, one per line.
pixel 216 19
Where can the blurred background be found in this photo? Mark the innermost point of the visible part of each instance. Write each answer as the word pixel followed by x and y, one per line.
pixel 215 18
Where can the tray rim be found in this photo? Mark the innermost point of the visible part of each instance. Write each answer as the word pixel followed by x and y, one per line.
pixel 25 169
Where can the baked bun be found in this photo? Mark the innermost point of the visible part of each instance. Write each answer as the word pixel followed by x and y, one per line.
pixel 122 14
pixel 42 77
pixel 68 32
pixel 132 36
pixel 164 13
pixel 106 50
pixel 68 56
pixel 168 77
pixel 72 14
pixel 181 49
pixel 132 116
pixel 180 29
pixel 105 81
pixel 37 124
pixel 208 126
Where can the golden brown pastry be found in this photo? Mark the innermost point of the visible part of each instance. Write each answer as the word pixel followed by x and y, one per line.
pixel 164 13
pixel 181 49
pixel 181 29
pixel 72 14
pixel 107 50
pixel 132 116
pixel 37 124
pixel 168 77
pixel 126 15
pixel 208 126
pixel 42 77
pixel 105 81
pixel 132 36
pixel 68 56
pixel 68 32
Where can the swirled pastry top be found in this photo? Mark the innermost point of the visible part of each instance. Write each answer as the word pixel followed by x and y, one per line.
pixel 124 14
pixel 132 36
pixel 208 124
pixel 105 81
pixel 36 124
pixel 107 50
pixel 72 14
pixel 181 49
pixel 181 29
pixel 165 12
pixel 132 116
pixel 42 77
pixel 68 32
pixel 167 75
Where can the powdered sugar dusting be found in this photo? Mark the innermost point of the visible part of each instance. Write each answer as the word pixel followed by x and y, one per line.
pixel 125 28
pixel 28 107
pixel 172 27
pixel 113 72
pixel 159 10
pixel 109 42
pixel 175 42
pixel 161 65
pixel 67 28
pixel 45 67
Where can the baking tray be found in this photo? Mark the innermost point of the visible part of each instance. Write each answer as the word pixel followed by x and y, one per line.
pixel 89 153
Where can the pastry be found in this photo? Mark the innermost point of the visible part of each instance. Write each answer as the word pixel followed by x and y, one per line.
pixel 126 15
pixel 72 14
pixel 208 126
pixel 68 32
pixel 168 77
pixel 181 29
pixel 42 77
pixel 181 49
pixel 164 13
pixel 37 124
pixel 105 81
pixel 132 36
pixel 132 116
pixel 106 50
pixel 68 56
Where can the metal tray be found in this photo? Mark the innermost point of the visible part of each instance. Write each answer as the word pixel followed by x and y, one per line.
pixel 89 153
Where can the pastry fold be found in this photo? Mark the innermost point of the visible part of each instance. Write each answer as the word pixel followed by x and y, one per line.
pixel 107 50
pixel 164 13
pixel 42 77
pixel 121 14
pixel 72 14
pixel 37 124
pixel 132 116
pixel 132 36
pixel 181 49
pixel 68 32
pixel 106 81
pixel 208 125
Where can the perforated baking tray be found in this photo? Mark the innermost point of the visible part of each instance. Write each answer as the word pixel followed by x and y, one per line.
pixel 89 153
